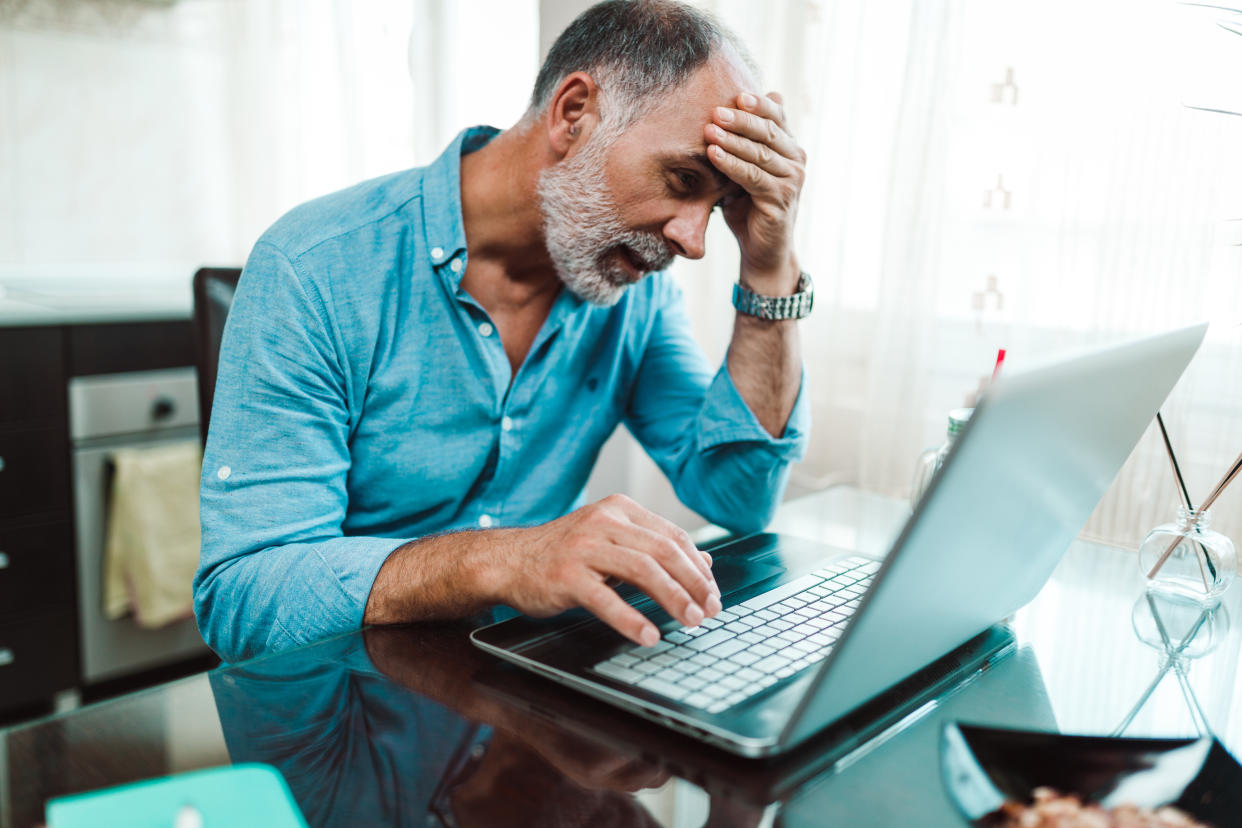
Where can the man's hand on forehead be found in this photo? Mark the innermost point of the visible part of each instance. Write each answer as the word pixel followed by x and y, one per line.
pixel 750 143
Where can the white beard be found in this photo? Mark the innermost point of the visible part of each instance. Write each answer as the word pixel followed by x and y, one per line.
pixel 583 229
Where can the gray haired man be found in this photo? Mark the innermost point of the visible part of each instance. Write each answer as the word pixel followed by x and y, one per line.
pixel 419 372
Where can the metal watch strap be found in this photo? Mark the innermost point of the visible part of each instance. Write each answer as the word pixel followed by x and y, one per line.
pixel 795 306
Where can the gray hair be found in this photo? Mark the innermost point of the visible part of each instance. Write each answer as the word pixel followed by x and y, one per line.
pixel 634 50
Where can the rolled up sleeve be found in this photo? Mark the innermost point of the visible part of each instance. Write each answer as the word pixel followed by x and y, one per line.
pixel 697 427
pixel 276 569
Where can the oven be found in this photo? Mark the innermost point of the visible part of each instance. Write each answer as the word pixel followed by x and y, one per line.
pixel 109 412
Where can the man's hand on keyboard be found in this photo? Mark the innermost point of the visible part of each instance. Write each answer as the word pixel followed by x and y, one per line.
pixel 568 563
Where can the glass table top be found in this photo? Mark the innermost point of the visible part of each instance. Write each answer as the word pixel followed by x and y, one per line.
pixel 413 726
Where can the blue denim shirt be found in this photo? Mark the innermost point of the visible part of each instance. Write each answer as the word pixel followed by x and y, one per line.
pixel 364 400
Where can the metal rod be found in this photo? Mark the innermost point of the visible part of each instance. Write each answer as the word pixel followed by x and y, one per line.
pixel 1192 700
pixel 1201 557
pixel 1143 699
pixel 1177 472
pixel 1224 482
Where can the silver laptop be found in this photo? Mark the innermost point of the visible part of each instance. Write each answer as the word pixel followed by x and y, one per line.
pixel 810 634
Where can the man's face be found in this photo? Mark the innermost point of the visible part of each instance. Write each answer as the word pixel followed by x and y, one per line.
pixel 623 205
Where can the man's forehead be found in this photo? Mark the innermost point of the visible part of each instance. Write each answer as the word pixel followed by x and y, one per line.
pixel 674 125
pixel 673 129
pixel 716 83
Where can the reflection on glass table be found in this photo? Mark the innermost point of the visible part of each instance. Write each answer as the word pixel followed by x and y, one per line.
pixel 413 726
pixel 386 728
pixel 1181 631
pixel 1002 778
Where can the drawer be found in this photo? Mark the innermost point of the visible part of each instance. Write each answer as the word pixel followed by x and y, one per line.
pixel 34 472
pixel 36 569
pixel 38 657
pixel 118 347
pixel 32 375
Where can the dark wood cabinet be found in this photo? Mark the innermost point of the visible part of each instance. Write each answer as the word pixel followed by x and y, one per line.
pixel 32 378
pixel 38 617
pixel 34 472
pixel 40 650
pixel 34 659
pixel 36 568
pixel 114 348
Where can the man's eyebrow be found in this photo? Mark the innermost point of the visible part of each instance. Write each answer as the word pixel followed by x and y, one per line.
pixel 723 182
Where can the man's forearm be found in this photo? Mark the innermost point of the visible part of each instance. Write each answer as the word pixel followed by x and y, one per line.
pixel 547 569
pixel 765 360
pixel 750 143
pixel 444 576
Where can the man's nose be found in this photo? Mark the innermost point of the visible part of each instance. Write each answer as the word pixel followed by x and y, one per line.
pixel 687 231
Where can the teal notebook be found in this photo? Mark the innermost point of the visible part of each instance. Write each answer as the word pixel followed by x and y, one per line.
pixel 237 795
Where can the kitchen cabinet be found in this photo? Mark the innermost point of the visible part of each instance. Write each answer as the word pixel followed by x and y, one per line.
pixel 40 617
pixel 38 644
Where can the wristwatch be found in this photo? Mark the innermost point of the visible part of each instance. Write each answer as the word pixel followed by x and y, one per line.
pixel 776 307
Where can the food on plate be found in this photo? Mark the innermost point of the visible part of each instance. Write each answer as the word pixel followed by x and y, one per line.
pixel 1052 809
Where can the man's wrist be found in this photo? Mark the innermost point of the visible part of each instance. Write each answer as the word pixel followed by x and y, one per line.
pixel 441 576
pixel 775 308
pixel 483 565
pixel 776 281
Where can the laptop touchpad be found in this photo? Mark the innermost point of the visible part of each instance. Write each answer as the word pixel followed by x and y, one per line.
pixel 733 574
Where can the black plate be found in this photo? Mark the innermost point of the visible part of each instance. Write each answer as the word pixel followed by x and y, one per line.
pixel 983 766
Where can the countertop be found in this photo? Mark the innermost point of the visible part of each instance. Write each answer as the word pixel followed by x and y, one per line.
pixel 87 294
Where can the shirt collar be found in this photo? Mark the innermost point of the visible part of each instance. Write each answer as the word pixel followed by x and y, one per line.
pixel 443 227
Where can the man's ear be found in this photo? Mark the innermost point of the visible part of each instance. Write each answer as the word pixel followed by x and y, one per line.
pixel 572 113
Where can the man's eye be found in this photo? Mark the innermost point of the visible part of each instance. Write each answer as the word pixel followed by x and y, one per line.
pixel 687 180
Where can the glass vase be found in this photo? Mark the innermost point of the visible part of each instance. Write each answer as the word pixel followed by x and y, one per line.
pixel 1179 628
pixel 1199 563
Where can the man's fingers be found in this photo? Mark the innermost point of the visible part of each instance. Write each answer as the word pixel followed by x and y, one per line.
pixel 751 177
pixel 666 528
pixel 686 568
pixel 616 539
pixel 602 601
pixel 771 105
pixel 761 155
pixel 644 571
pixel 757 128
pixel 637 775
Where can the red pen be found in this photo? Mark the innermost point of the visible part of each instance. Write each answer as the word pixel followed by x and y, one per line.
pixel 1000 360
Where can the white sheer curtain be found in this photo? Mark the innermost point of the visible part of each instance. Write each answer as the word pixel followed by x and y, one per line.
pixel 1001 174
pixel 138 136
pixel 320 96
pixel 333 92
pixel 472 62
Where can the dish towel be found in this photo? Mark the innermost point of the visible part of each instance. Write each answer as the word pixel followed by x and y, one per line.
pixel 153 533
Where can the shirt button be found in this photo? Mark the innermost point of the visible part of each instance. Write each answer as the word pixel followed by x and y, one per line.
pixel 506 424
pixel 485 521
pixel 437 252
pixel 455 266
pixel 485 329
pixel 223 472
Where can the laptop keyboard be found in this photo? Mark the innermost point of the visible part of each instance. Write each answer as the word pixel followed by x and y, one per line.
pixel 750 646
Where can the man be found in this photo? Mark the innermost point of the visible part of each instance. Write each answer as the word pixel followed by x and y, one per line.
pixel 418 373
